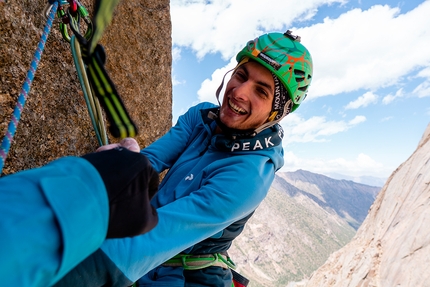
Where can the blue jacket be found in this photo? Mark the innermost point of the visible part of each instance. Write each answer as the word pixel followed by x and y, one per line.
pixel 212 183
pixel 45 229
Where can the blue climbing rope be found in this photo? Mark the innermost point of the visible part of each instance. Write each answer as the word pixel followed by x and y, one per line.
pixel 7 140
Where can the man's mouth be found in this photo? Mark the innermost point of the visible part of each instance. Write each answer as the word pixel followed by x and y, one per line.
pixel 236 108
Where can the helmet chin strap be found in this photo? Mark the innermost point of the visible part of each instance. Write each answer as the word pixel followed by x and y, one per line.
pixel 287 109
pixel 218 91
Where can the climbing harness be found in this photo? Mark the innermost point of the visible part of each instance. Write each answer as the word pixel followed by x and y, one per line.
pixel 7 140
pixel 195 262
pixel 89 59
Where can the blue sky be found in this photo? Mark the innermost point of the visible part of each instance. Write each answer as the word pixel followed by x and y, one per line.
pixel 369 102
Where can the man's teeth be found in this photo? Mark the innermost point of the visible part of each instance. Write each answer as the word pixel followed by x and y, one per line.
pixel 236 108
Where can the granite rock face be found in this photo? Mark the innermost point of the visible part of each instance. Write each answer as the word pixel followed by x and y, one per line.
pixel 392 246
pixel 55 120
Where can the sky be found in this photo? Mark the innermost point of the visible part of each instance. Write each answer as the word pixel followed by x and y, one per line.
pixel 369 102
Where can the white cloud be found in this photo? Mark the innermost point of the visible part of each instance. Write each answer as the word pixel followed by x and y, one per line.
pixel 206 93
pixel 357 120
pixel 422 90
pixel 363 101
pixel 358 50
pixel 367 49
pixel 387 119
pixel 176 54
pixel 355 167
pixel 225 26
pixel 390 98
pixel 314 129
pixel 424 73
pixel 176 82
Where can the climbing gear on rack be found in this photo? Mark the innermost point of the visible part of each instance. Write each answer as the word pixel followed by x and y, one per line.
pixel 72 16
pixel 7 140
pixel 93 55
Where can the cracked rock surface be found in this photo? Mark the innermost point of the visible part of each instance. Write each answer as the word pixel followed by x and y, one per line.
pixel 392 246
pixel 55 120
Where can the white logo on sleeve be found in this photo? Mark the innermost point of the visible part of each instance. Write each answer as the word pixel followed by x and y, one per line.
pixel 190 177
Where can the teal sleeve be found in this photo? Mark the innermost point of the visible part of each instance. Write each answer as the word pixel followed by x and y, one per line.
pixel 53 217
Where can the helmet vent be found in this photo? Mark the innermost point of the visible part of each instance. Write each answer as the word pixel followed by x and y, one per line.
pixel 300 75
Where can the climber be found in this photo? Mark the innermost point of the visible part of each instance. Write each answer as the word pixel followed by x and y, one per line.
pixel 221 161
pixel 54 216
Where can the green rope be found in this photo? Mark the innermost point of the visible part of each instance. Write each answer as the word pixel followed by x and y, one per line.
pixel 93 105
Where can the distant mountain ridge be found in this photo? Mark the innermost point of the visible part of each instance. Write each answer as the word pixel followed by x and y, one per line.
pixel 347 198
pixel 305 217
pixel 367 180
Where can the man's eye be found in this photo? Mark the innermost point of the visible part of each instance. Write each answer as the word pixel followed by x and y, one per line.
pixel 263 93
pixel 241 75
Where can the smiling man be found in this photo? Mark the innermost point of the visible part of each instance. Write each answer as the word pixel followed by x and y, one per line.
pixel 221 161
pixel 248 98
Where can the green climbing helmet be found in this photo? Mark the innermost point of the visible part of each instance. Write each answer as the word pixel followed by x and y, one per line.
pixel 289 61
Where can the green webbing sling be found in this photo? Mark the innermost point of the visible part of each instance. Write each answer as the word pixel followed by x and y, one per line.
pixel 103 15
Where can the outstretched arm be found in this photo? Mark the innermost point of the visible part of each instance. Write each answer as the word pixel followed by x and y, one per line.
pixel 55 216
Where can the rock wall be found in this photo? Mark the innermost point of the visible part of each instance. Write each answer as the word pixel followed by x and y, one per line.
pixel 55 120
pixel 392 246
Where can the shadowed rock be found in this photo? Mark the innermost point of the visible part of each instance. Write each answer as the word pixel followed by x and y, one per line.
pixel 55 120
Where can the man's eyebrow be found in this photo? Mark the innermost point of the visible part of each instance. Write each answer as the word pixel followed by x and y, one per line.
pixel 261 83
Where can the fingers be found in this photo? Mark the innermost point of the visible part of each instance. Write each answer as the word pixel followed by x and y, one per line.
pixel 108 147
pixel 130 182
pixel 130 144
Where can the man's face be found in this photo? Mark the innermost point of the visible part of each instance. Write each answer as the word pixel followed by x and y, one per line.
pixel 248 97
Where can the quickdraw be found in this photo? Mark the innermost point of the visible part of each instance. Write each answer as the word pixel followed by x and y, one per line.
pixel 72 16
pixel 121 124
pixel 92 75
pixel 70 12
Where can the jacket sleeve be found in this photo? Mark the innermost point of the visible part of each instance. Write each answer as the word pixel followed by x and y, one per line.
pixel 223 199
pixel 51 219
pixel 165 151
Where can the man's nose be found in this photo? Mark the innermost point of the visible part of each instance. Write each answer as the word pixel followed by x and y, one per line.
pixel 243 91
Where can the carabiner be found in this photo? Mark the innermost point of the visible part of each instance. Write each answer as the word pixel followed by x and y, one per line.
pixel 72 16
pixel 48 7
